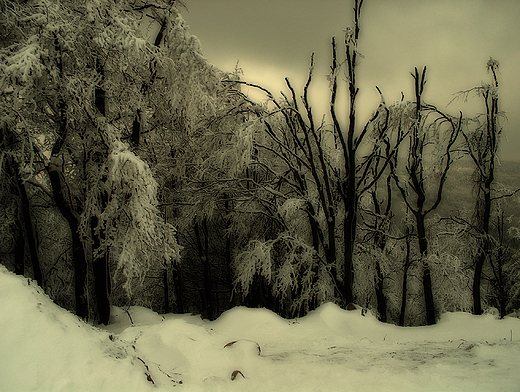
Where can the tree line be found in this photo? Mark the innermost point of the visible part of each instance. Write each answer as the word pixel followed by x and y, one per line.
pixel 135 172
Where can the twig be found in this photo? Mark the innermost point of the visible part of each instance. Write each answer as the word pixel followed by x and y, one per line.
pixel 148 375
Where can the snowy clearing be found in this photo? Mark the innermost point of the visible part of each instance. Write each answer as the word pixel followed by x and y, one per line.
pixel 45 348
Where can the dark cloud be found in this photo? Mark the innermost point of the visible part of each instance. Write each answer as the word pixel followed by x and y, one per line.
pixel 453 38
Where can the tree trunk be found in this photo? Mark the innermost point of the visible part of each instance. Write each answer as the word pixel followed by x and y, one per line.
pixel 228 249
pixel 101 279
pixel 24 222
pixel 101 268
pixel 484 252
pixel 166 286
pixel 100 263
pixel 380 296
pixel 160 34
pixel 19 251
pixel 428 295
pixel 404 294
pixel 380 242
pixel 63 204
pixel 349 237
pixel 78 251
pixel 136 129
pixel 315 234
pixel 17 225
pixel 477 277
pixel 30 235
pixel 204 257
pixel 427 281
pixel 179 294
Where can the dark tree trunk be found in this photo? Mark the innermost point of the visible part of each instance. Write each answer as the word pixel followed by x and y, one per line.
pixel 415 184
pixel 404 294
pixel 100 263
pixel 349 233
pixel 350 191
pixel 427 280
pixel 484 252
pixel 380 242
pixel 27 221
pixel 203 253
pixel 101 268
pixel 477 302
pixel 179 293
pixel 101 257
pixel 19 251
pixel 228 250
pixel 315 234
pixel 24 224
pixel 136 129
pixel 17 226
pixel 78 251
pixel 101 279
pixel 166 288
pixel 64 203
pixel 428 295
pixel 380 296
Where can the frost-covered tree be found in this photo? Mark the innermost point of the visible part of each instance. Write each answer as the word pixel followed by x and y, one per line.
pixel 503 271
pixel 73 80
pixel 376 219
pixel 482 147
pixel 312 176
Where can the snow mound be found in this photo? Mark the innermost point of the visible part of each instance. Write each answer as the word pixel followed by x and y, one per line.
pixel 45 348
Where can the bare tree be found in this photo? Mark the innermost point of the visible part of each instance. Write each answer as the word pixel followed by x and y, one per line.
pixel 482 147
pixel 416 188
pixel 322 167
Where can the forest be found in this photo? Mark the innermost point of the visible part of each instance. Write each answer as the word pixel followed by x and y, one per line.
pixel 134 172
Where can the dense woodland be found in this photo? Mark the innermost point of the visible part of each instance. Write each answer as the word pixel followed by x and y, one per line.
pixel 133 172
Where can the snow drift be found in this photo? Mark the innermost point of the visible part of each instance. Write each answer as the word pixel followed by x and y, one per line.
pixel 45 348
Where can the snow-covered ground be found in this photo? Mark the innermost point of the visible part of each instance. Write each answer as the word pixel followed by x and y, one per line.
pixel 45 348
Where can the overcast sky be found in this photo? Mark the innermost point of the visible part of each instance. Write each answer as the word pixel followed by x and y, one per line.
pixel 274 39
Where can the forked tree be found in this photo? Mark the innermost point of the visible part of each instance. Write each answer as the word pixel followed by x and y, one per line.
pixel 482 147
pixel 317 171
pixel 422 193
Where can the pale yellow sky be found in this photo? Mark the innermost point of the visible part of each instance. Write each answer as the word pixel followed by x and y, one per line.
pixel 454 38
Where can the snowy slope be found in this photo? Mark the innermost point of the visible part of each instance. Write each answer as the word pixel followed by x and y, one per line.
pixel 45 348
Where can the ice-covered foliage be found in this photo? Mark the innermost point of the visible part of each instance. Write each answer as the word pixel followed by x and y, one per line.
pixel 255 259
pixel 77 79
pixel 290 266
pixel 451 250
pixel 125 205
pixel 26 63
pixel 196 81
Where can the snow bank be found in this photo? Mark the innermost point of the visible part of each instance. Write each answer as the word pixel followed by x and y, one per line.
pixel 45 348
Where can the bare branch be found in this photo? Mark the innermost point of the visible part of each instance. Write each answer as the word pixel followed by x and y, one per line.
pixel 506 195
